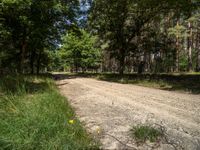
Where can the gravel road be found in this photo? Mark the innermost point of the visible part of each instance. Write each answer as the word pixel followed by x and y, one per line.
pixel 115 108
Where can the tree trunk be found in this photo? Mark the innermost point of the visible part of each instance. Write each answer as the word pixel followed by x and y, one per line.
pixel 38 63
pixel 190 48
pixel 177 55
pixel 76 66
pixel 22 57
pixel 177 52
pixel 141 67
pixel 23 51
pixel 32 61
pixel 122 62
pixel 198 52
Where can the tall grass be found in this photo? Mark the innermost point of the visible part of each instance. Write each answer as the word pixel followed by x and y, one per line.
pixel 33 115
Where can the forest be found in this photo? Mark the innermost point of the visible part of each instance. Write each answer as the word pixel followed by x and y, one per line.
pixel 99 74
pixel 124 36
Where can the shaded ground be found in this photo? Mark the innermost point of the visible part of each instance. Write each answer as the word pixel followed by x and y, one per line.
pixel 189 83
pixel 115 108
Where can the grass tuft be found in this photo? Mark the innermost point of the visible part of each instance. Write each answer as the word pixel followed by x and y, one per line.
pixel 146 133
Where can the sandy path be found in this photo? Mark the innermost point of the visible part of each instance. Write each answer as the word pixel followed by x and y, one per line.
pixel 116 107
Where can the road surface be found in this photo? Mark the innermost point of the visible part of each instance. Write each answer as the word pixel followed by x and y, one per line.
pixel 115 108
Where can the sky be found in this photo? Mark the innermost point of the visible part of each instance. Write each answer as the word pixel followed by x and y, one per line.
pixel 84 7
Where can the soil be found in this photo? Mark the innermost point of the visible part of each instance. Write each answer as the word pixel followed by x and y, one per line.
pixel 109 110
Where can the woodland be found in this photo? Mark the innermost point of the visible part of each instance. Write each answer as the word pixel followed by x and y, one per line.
pixel 66 66
pixel 119 36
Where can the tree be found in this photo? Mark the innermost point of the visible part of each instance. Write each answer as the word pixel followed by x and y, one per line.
pixel 79 51
pixel 193 40
pixel 121 23
pixel 132 33
pixel 29 27
pixel 179 32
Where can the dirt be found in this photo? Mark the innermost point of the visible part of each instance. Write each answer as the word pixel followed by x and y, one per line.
pixel 109 110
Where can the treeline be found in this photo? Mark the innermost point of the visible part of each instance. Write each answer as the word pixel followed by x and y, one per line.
pixel 30 30
pixel 147 35
pixel 100 35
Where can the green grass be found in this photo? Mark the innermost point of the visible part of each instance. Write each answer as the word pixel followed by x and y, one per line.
pixel 146 133
pixel 33 115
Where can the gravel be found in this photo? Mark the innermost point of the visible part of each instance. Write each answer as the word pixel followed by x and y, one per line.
pixel 115 108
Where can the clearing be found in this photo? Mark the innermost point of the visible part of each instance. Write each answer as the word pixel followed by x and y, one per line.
pixel 115 108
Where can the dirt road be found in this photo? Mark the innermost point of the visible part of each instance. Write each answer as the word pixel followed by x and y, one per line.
pixel 115 108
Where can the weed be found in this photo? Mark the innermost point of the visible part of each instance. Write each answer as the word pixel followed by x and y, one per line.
pixel 144 133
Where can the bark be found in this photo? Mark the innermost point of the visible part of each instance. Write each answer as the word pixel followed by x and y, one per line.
pixel 23 52
pixel 198 51
pixel 22 57
pixel 198 61
pixel 32 61
pixel 76 66
pixel 145 60
pixel 38 63
pixel 177 52
pixel 141 67
pixel 177 55
pixel 149 62
pixel 190 48
pixel 122 62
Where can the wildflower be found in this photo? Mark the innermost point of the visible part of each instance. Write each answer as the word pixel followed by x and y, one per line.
pixel 71 121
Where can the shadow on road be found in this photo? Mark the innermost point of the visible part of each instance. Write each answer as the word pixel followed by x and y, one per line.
pixel 63 76
pixel 186 83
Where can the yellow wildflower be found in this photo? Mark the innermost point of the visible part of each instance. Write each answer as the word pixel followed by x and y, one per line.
pixel 71 121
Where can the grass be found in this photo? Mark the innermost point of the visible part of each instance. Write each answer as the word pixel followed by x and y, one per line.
pixel 160 84
pixel 185 83
pixel 146 133
pixel 33 115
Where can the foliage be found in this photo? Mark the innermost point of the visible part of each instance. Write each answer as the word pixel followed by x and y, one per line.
pixel 123 24
pixel 56 61
pixel 28 27
pixel 80 51
pixel 135 35
pixel 136 28
pixel 178 31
